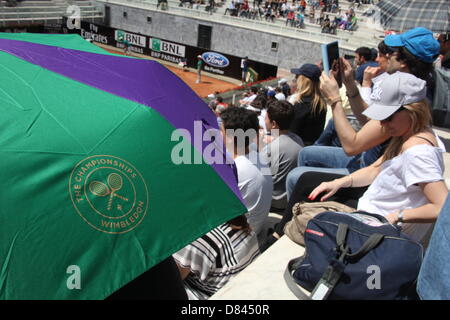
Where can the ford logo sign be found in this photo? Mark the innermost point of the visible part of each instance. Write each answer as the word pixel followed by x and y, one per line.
pixel 215 59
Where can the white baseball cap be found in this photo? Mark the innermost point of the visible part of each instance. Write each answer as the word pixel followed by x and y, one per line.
pixel 393 92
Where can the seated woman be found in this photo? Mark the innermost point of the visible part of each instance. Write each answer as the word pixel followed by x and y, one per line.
pixel 309 106
pixel 208 263
pixel 406 183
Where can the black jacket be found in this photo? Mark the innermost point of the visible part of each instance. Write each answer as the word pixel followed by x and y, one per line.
pixel 307 125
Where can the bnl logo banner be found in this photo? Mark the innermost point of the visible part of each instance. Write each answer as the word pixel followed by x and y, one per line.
pixel 131 38
pixel 159 45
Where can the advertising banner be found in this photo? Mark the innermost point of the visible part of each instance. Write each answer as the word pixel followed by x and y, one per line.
pixel 215 62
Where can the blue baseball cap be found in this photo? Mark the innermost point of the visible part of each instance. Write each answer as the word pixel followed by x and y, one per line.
pixel 419 41
pixel 311 71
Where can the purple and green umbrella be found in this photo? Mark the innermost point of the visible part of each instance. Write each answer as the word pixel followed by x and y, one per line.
pixel 90 195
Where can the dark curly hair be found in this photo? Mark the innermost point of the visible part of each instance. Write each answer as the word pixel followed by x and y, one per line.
pixel 282 112
pixel 417 67
pixel 240 118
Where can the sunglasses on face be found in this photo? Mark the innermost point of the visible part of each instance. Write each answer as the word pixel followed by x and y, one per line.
pixel 387 51
pixel 389 119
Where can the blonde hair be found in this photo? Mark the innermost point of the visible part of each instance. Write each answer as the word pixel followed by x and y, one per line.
pixel 308 88
pixel 420 115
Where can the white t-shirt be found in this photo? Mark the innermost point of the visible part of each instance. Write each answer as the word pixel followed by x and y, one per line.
pixel 396 187
pixel 262 120
pixel 256 188
pixel 293 98
pixel 248 100
pixel 366 93
pixel 280 96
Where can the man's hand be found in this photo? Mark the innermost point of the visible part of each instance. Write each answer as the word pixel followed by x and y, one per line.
pixel 369 74
pixel 347 72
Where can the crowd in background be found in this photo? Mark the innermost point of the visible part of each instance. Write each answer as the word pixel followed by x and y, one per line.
pixel 390 163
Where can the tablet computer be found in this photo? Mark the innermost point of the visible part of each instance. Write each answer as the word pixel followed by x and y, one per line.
pixel 330 60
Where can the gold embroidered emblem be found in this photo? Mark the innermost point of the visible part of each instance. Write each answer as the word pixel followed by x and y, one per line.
pixel 108 193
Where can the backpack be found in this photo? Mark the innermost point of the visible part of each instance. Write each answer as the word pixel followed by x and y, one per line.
pixel 355 256
pixel 441 98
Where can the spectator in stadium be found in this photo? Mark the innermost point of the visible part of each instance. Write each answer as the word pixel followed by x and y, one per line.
pixel 249 96
pixel 208 263
pixel 279 95
pixel 285 87
pixel 256 12
pixel 334 6
pixel 374 54
pixel 409 176
pixel 269 13
pixel 413 53
pixel 344 20
pixel 271 95
pixel 221 106
pixel 338 17
pixel 333 26
pixel 363 59
pixel 259 106
pixel 444 40
pixel 351 26
pixel 309 107
pixel 231 8
pixel 302 6
pixel 254 178
pixel 312 13
pixel 371 138
pixel 326 25
pixel 283 9
pixel 321 17
pixel 300 20
pixel 406 183
pixel 211 6
pixel 283 150
pixel 163 3
pixel 290 18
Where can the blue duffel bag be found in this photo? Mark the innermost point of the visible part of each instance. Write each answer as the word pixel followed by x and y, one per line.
pixel 355 256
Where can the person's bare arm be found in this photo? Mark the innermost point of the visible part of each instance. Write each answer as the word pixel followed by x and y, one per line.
pixel 184 272
pixel 370 135
pixel 360 178
pixel 436 193
pixel 357 103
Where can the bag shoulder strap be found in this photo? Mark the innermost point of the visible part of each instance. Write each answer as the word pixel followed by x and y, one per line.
pixel 290 281
pixel 370 243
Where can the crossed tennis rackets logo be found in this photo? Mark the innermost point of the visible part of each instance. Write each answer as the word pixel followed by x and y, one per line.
pixel 115 183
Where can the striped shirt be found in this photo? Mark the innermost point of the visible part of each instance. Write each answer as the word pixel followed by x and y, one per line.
pixel 215 258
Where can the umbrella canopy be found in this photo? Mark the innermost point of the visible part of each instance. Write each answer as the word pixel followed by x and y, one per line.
pixel 89 185
pixel 402 15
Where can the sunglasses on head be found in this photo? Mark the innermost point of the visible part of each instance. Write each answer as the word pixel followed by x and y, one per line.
pixel 392 115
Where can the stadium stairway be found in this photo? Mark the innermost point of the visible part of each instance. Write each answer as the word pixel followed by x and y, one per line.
pixel 46 10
